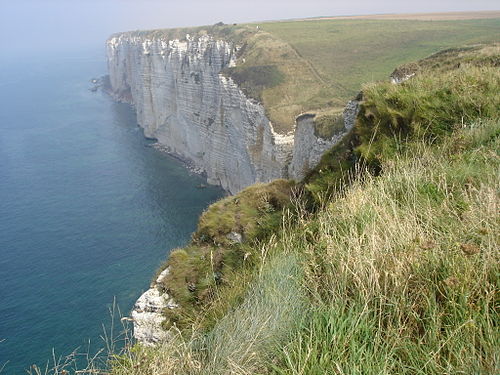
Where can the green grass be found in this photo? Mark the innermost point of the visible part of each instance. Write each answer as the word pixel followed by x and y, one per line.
pixel 214 261
pixel 244 341
pixel 348 53
pixel 250 213
pixel 398 274
pixel 327 126
pixel 404 268
pixel 326 62
pixel 253 80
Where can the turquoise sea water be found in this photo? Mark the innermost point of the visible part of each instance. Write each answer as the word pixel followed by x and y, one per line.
pixel 87 210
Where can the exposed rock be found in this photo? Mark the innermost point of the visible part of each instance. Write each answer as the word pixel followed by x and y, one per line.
pixel 235 237
pixel 404 73
pixel 201 116
pixel 401 79
pixel 147 314
pixel 309 147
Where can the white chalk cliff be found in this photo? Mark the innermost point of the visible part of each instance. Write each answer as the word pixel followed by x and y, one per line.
pixel 309 147
pixel 184 101
pixel 147 314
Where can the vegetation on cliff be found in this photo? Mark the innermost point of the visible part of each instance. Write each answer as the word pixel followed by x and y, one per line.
pixel 453 87
pixel 385 260
pixel 398 274
pixel 223 252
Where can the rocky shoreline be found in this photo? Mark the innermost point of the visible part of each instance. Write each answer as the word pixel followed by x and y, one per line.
pixel 190 166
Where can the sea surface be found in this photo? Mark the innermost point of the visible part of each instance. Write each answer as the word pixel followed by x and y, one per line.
pixel 88 210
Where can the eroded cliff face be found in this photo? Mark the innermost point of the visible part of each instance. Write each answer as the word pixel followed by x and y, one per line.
pixel 182 99
pixel 147 314
pixel 309 146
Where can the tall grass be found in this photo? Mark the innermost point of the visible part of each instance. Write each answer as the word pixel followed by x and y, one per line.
pixel 405 267
pixel 399 274
pixel 449 90
pixel 430 105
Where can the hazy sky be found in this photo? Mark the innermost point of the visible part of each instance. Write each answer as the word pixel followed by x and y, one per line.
pixel 31 25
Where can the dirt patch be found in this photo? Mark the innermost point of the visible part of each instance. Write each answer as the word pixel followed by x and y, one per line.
pixel 418 16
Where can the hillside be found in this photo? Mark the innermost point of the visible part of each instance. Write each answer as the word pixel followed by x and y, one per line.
pixel 383 260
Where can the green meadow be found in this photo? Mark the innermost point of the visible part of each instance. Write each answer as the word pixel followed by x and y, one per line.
pixel 341 55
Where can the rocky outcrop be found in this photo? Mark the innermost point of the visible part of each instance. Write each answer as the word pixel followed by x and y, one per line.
pixel 309 147
pixel 182 99
pixel 147 313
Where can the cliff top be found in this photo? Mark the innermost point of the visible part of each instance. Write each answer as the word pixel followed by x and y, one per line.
pixel 317 65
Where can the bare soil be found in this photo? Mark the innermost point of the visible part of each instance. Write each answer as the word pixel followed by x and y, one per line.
pixel 420 16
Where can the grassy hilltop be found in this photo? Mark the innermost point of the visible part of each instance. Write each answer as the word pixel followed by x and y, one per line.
pixel 318 65
pixel 384 260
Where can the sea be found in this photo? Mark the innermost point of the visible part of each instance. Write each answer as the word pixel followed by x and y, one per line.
pixel 88 210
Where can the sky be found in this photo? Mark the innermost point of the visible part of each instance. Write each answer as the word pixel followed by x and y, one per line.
pixel 54 25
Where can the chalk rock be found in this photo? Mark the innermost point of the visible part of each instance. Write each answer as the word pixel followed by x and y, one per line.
pixel 309 147
pixel 235 237
pixel 147 314
pixel 184 101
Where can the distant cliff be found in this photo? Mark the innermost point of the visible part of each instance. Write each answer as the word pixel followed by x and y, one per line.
pixel 183 99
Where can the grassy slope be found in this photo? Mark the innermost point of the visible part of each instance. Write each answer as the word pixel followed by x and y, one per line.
pixel 214 261
pixel 450 88
pixel 404 268
pixel 401 272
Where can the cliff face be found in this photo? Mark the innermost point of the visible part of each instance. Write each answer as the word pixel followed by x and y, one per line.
pixel 147 314
pixel 182 99
pixel 309 147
